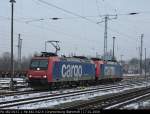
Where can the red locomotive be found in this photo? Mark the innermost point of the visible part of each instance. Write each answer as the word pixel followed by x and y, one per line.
pixel 50 69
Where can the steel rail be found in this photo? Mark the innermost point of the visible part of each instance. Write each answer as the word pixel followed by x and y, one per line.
pixel 102 102
pixel 17 102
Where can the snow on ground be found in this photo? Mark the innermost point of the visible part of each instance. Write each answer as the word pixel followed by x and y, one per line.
pixel 25 89
pixel 146 103
pixel 16 97
pixel 51 103
pixel 4 82
pixel 7 85
pixel 135 75
pixel 131 74
pixel 7 80
pixel 138 105
pixel 131 106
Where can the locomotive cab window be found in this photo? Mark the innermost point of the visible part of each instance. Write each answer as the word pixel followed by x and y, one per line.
pixel 39 64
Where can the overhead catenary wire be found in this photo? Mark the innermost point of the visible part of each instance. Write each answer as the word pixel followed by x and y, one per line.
pixel 37 26
pixel 54 30
pixel 68 35
pixel 72 13
pixel 113 31
pixel 51 29
pixel 67 11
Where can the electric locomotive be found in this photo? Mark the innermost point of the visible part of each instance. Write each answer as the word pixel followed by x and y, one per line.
pixel 50 69
pixel 53 70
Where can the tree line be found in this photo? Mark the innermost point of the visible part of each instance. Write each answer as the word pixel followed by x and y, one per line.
pixel 5 65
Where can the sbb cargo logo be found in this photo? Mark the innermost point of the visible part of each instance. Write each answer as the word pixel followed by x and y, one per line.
pixel 109 70
pixel 71 70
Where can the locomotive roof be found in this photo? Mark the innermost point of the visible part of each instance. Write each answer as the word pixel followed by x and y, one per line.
pixel 96 59
pixel 80 57
pixel 48 54
pixel 75 59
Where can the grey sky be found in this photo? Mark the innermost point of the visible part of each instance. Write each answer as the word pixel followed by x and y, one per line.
pixel 76 34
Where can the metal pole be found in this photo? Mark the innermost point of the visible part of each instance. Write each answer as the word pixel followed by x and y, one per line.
pixel 141 52
pixel 114 48
pixel 19 51
pixel 18 47
pixel 105 38
pixel 145 62
pixel 146 77
pixel 12 67
pixel 121 58
pixel 106 18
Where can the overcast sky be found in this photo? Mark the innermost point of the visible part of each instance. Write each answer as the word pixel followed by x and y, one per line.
pixel 77 35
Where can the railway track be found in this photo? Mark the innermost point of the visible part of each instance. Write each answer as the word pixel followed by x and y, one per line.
pixel 129 101
pixel 18 83
pixel 24 101
pixel 21 83
pixel 102 88
pixel 48 97
pixel 6 87
pixel 5 80
pixel 14 93
pixel 11 93
pixel 105 87
pixel 112 101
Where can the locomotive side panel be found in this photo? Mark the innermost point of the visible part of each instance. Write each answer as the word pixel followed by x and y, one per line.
pixel 73 71
pixel 109 71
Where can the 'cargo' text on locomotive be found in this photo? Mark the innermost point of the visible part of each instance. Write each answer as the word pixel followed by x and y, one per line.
pixel 71 70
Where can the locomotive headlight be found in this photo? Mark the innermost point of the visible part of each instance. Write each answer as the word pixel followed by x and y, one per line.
pixel 44 76
pixel 30 76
